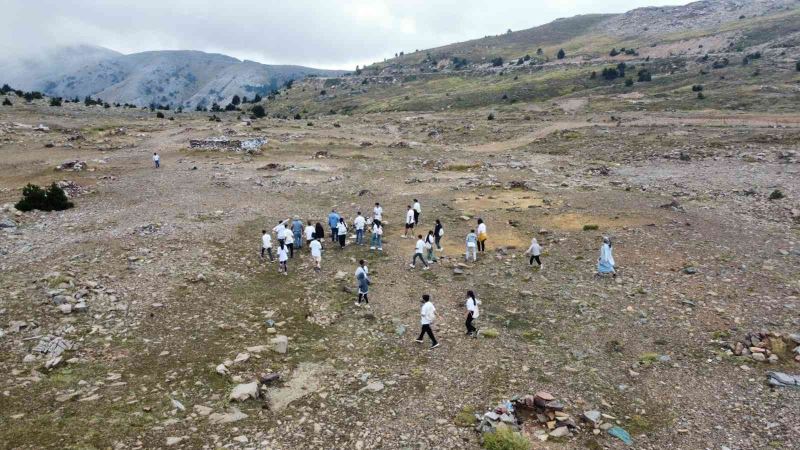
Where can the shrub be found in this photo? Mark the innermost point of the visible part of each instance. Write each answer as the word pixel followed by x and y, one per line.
pixel 236 100
pixel 629 82
pixel 610 73
pixel 697 88
pixel 593 75
pixel 700 96
pixel 797 66
pixel 7 102
pixel 6 89
pixel 215 107
pixel 52 199
pixel 491 116
pixel 323 92
pixel 258 111
pixel 497 62
pixel 459 63
pixel 776 195
pixel 590 227
pixel 613 52
pixel 644 76
pixel 297 116
pixel 55 101
pixel 561 54
pixel 504 438
pixel 230 107
pixel 159 115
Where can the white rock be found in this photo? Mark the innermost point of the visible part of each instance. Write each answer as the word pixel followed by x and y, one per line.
pixel 279 344
pixel 222 369
pixel 245 391
pixel 66 308
pixel 174 440
pixel 202 410
pixel 242 357
pixel 234 415
pixel 257 349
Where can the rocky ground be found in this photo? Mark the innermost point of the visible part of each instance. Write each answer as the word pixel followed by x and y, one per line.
pixel 131 320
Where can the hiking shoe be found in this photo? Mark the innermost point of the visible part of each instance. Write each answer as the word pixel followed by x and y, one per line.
pixel 426 268
pixel 434 345
pixel 418 341
pixel 357 304
pixel 412 266
pixel 372 248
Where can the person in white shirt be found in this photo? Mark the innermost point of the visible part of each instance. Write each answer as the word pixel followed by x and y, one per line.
pixel 266 245
pixel 289 241
pixel 428 315
pixel 482 236
pixel 156 160
pixel 377 212
pixel 341 232
pixel 283 258
pixel 472 314
pixel 535 250
pixel 316 253
pixel 418 253
pixel 309 232
pixel 359 224
pixel 409 221
pixel 417 211
pixel 362 277
pixel 280 232
pixel 377 236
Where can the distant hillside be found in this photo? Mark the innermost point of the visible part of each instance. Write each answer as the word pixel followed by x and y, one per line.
pixel 744 53
pixel 178 78
pixel 33 71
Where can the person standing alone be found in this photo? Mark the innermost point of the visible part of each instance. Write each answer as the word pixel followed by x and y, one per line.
pixel 427 316
pixel 156 160
pixel 472 314
pixel 535 250
pixel 362 277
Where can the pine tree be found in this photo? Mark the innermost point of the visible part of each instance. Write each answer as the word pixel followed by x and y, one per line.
pixel 561 54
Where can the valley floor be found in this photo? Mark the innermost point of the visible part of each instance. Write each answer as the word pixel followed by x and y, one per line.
pixel 167 262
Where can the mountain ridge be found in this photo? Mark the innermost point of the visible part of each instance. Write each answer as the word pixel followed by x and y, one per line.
pixel 186 78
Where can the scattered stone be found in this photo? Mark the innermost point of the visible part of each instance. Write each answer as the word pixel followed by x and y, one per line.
pixel 375 386
pixel 233 415
pixel 202 410
pixel 243 392
pixel 279 344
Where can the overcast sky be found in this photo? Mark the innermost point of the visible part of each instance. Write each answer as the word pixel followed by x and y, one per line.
pixel 334 34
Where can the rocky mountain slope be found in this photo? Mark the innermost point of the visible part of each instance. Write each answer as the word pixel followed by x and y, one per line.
pixel 33 71
pixel 178 78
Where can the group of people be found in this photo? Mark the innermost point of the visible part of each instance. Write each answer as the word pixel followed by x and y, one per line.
pixel 291 234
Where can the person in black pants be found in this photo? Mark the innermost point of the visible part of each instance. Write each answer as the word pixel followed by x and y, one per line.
pixel 472 314
pixel 428 315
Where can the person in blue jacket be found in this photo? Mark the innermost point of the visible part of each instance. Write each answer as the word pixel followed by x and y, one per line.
pixel 297 230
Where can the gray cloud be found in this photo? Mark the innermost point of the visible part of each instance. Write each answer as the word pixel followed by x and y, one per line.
pixel 321 33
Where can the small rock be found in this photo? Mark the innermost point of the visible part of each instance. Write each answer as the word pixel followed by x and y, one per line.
pixel 279 344
pixel 242 392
